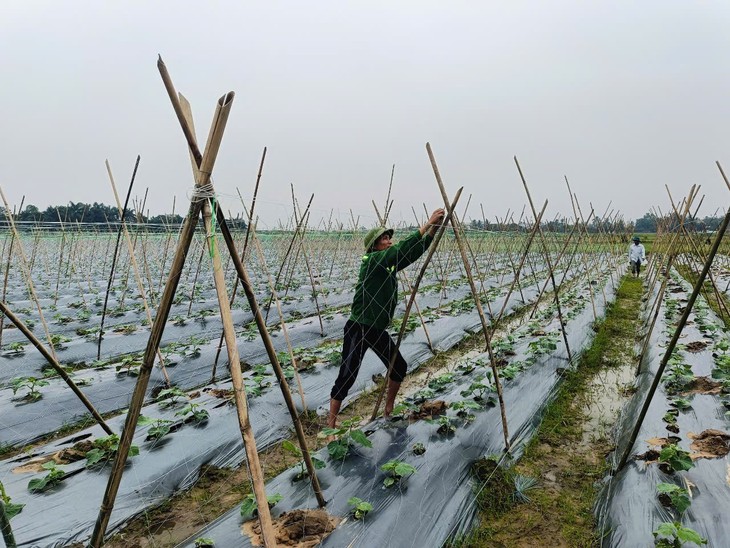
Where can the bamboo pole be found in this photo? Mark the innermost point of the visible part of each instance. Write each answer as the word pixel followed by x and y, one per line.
pixel 271 352
pixel 26 272
pixel 158 326
pixel 416 283
pixel 243 252
pixel 288 251
pixel 114 260
pixel 206 170
pixel 284 329
pixel 674 340
pixel 201 171
pixel 6 276
pixel 54 363
pixel 720 301
pixel 548 262
pixel 656 306
pixel 677 332
pixel 135 267
pixel 477 300
pixel 303 245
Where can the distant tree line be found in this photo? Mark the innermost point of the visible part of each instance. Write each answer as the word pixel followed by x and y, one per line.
pixel 650 221
pixel 96 213
pixel 647 223
pixel 556 225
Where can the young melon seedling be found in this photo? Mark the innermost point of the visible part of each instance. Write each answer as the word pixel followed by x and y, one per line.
pixel 297 452
pixel 360 508
pixel 249 508
pixel 347 436
pixel 396 470
pixel 54 476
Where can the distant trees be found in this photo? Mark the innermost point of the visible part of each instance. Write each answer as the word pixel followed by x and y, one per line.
pixel 96 213
pixel 646 224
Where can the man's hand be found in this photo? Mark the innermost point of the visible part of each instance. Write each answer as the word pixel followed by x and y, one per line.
pixel 434 222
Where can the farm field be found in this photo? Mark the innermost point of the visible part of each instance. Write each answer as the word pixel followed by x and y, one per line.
pixel 414 473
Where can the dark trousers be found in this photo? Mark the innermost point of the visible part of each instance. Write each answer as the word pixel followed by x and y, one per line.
pixel 635 267
pixel 358 338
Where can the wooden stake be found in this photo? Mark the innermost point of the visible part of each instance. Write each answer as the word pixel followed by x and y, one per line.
pixel 477 300
pixel 54 363
pixel 416 283
pixel 158 326
pixel 548 262
pixel 677 332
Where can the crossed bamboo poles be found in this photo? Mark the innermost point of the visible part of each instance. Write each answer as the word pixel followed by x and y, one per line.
pixel 201 203
pixel 672 252
pixel 202 166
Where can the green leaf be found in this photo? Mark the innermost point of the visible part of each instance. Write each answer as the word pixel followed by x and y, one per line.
pixel 37 485
pixel 360 438
pixel 12 509
pixel 403 469
pixel 685 534
pixel 94 456
pixel 248 506
pixel 291 448
pixel 337 450
pixel 666 529
pixel 318 464
pixel 389 481
pixel 133 451
pixel 676 457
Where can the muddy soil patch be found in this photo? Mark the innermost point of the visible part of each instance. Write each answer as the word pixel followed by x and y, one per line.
pixel 429 410
pixel 298 528
pixel 709 444
pixel 695 346
pixel 703 385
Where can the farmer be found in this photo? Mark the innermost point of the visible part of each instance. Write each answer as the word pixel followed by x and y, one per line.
pixel 376 295
pixel 637 255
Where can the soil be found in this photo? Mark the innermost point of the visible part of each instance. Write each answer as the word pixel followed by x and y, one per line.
pixel 298 528
pixel 703 385
pixel 64 456
pixel 695 346
pixel 218 489
pixel 222 393
pixel 709 444
pixel 429 410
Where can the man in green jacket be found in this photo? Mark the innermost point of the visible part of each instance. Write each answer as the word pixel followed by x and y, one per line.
pixel 376 296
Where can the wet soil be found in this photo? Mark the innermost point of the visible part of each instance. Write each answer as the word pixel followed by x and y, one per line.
pixel 298 528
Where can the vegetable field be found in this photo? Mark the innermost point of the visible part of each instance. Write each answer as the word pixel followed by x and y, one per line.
pixel 138 362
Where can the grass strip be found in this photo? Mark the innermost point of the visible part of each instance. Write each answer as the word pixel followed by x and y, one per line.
pixel 558 510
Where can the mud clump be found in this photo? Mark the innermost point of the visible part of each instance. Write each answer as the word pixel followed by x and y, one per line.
pixel 695 346
pixel 709 444
pixel 429 410
pixel 703 385
pixel 298 528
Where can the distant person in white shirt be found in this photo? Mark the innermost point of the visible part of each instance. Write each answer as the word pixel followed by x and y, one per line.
pixel 637 255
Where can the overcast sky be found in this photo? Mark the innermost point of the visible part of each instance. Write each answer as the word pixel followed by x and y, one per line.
pixel 623 97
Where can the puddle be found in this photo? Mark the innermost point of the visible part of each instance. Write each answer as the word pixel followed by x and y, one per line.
pixel 607 394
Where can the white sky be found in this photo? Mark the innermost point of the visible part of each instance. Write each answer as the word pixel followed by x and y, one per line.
pixel 623 97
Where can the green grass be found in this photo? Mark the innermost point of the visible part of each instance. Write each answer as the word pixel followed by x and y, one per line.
pixel 561 516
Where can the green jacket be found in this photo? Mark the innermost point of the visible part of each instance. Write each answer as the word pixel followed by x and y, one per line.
pixel 376 292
